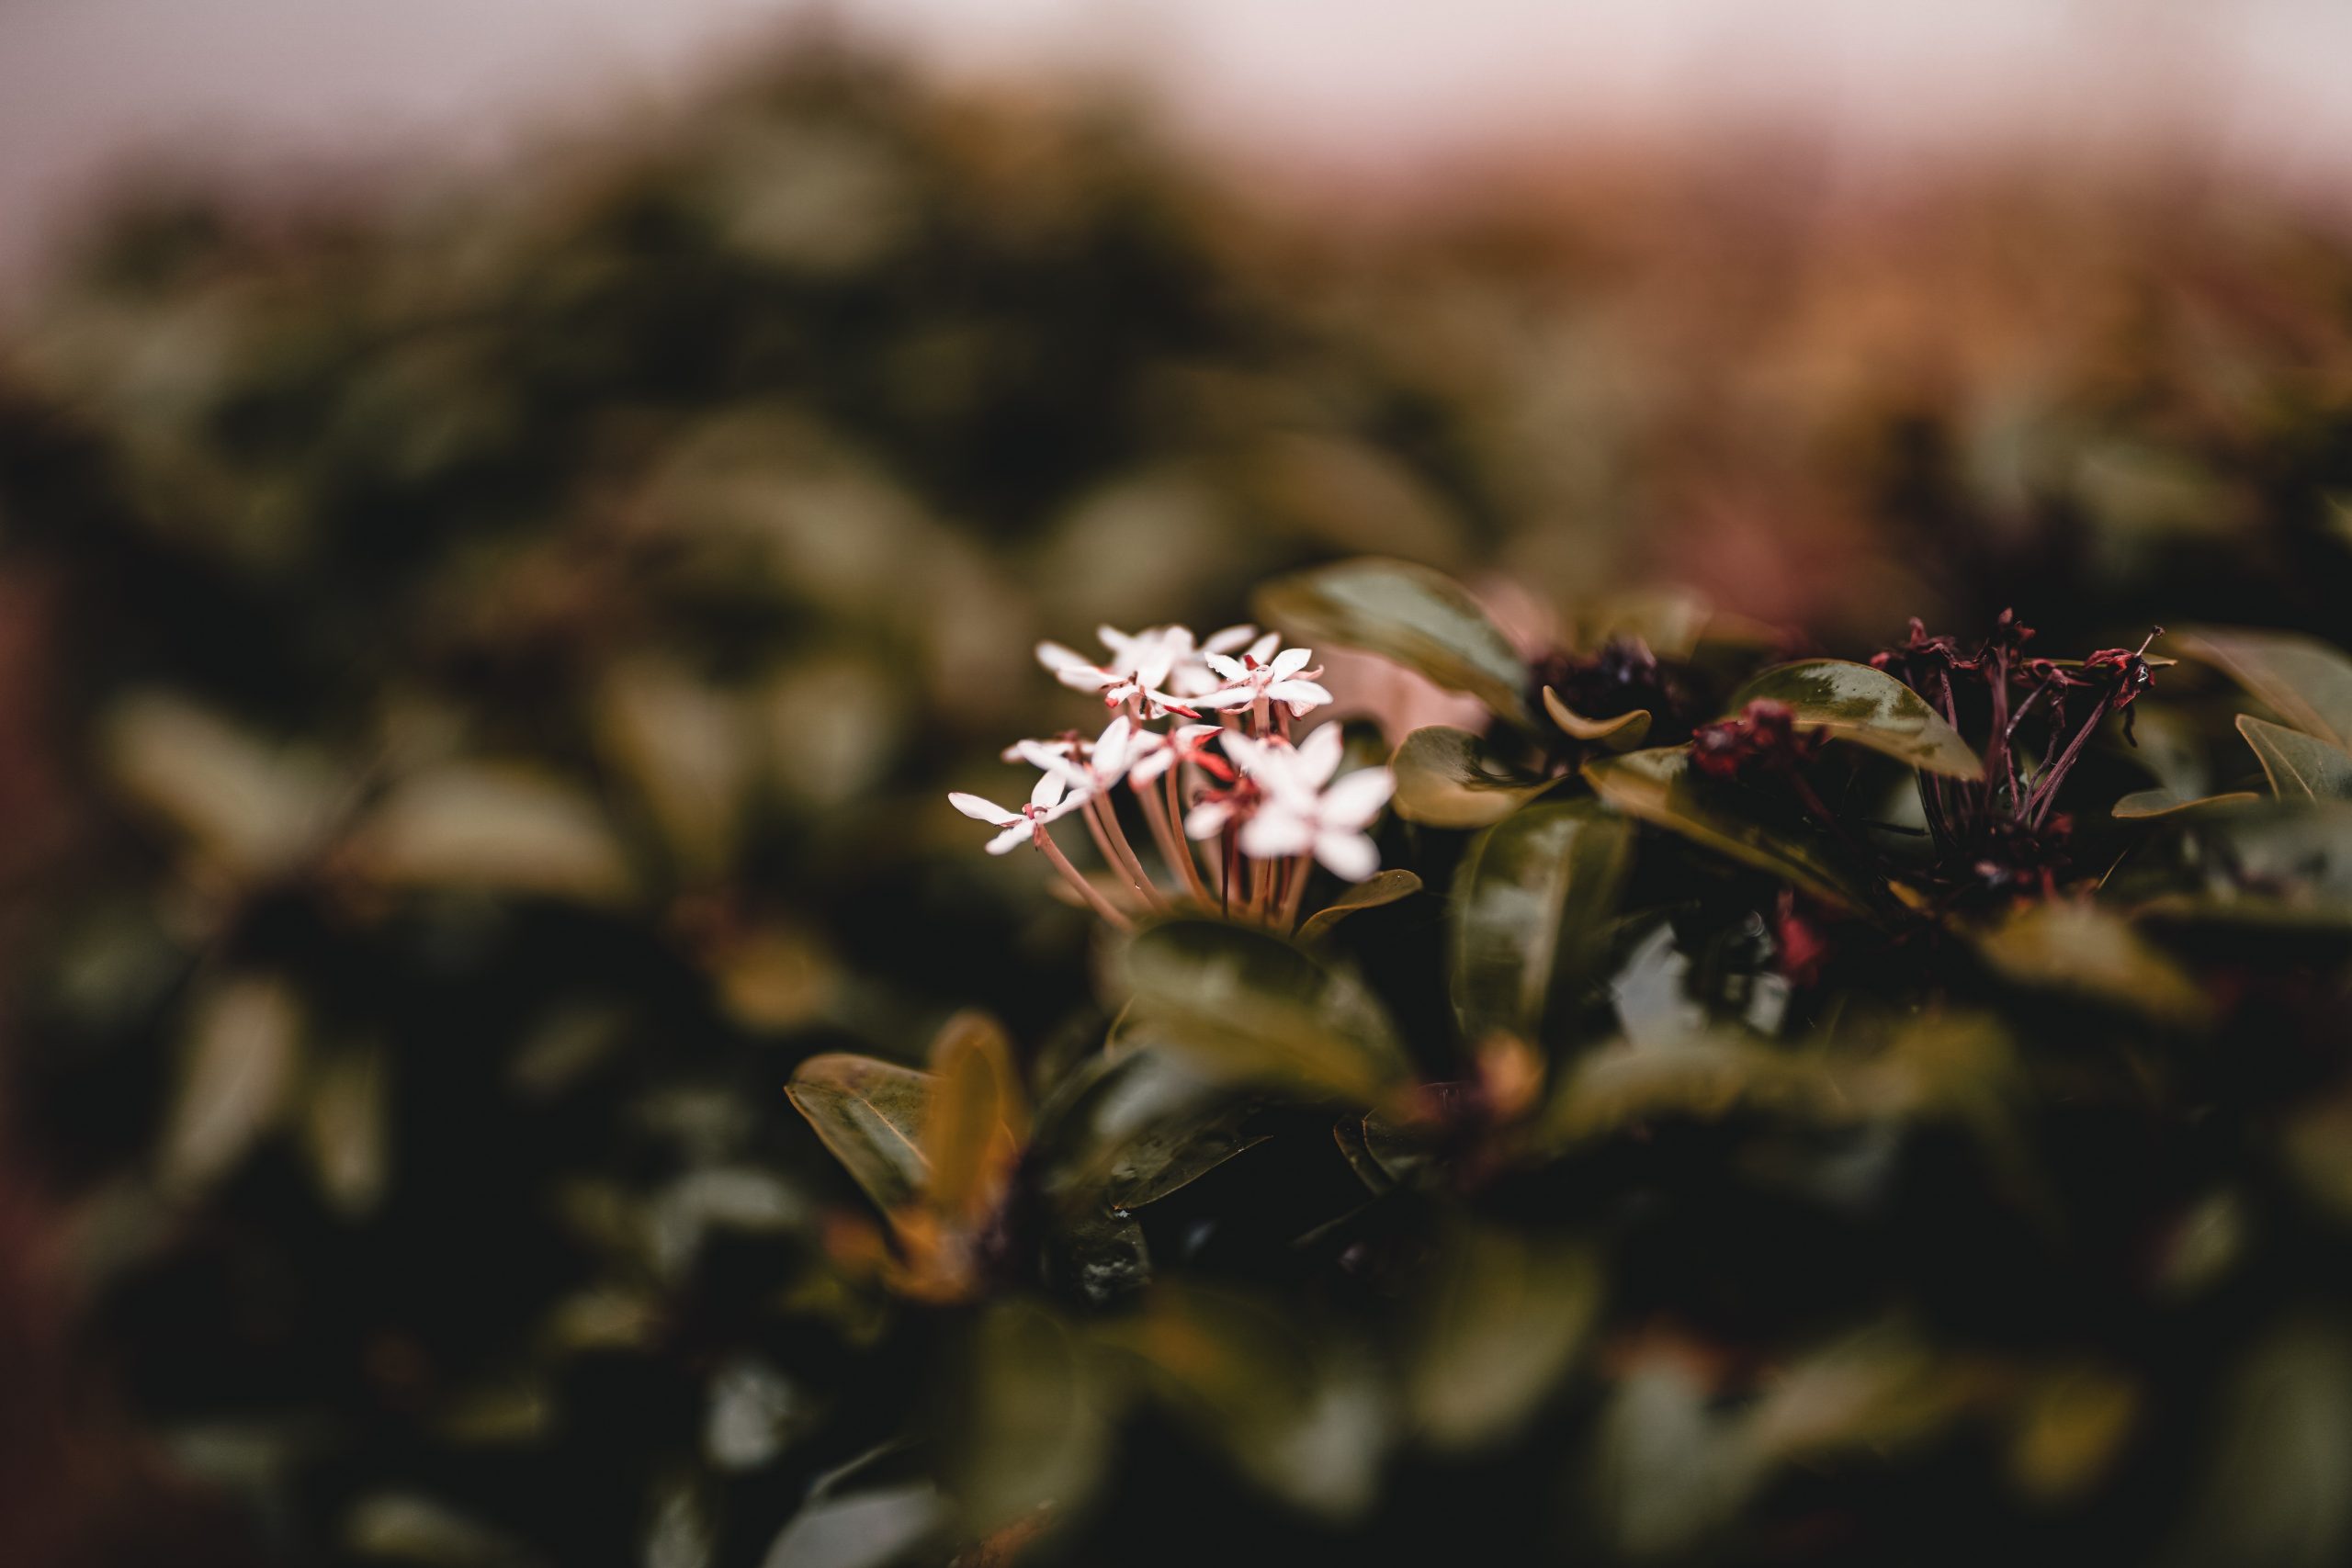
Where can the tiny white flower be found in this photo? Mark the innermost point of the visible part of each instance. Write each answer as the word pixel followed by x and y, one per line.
pixel 1191 676
pixel 1138 667
pixel 1298 810
pixel 1048 801
pixel 1088 767
pixel 1155 753
pixel 1283 678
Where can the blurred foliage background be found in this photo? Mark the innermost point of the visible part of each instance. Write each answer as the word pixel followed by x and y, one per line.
pixel 480 679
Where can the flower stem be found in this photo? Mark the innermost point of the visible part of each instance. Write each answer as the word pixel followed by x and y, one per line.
pixel 1170 837
pixel 1133 863
pixel 1295 895
pixel 1087 890
pixel 1093 821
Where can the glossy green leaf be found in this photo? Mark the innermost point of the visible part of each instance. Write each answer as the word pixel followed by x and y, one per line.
pixel 1125 1131
pixel 870 1114
pixel 1381 887
pixel 1422 619
pixel 1033 1433
pixel 1504 1316
pixel 1869 707
pixel 1244 1005
pixel 2298 766
pixel 1447 778
pixel 1658 788
pixel 2304 681
pixel 1531 901
pixel 2084 950
pixel 1622 733
pixel 2143 805
pixel 2286 864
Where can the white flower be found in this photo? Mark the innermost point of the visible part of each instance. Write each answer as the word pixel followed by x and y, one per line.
pixel 1139 666
pixel 1296 808
pixel 1088 767
pixel 1192 677
pixel 1155 753
pixel 1049 801
pixel 1253 678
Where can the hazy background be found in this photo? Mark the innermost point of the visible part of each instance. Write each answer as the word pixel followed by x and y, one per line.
pixel 1383 95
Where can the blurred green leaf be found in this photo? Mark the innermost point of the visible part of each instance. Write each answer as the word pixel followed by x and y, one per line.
pixel 1504 1315
pixel 1869 707
pixel 1035 1432
pixel 2142 804
pixel 1531 900
pixel 1422 619
pixel 2090 953
pixel 489 828
pixel 239 1065
pixel 346 1125
pixel 2298 766
pixel 1447 778
pixel 249 807
pixel 870 1114
pixel 977 1120
pixel 1622 733
pixel 1658 788
pixel 1381 887
pixel 2306 682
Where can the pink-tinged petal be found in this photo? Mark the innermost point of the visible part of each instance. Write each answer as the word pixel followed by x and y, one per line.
pixel 1229 639
pixel 1056 658
pixel 1275 834
pixel 1318 755
pixel 1247 755
pixel 1117 641
pixel 1051 784
pixel 1162 705
pixel 981 810
pixel 1226 668
pixel 1148 770
pixel 1347 855
pixel 1263 649
pixel 1111 748
pixel 1193 734
pixel 1232 697
pixel 1290 661
pixel 1300 695
pixel 1357 799
pixel 1012 839
pixel 1207 819
pixel 1086 678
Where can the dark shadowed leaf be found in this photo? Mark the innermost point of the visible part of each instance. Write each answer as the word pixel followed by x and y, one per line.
pixel 1244 1005
pixel 2278 863
pixel 2274 1492
pixel 2088 951
pixel 1504 1316
pixel 1125 1131
pixel 1531 902
pixel 238 1068
pixel 2141 805
pixel 1868 707
pixel 1381 887
pixel 1622 733
pixel 1447 778
pixel 1422 619
pixel 870 1114
pixel 2306 682
pixel 1035 1433
pixel 2298 766
pixel 1657 786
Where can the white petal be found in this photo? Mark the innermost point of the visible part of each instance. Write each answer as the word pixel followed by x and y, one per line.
pixel 1290 661
pixel 1273 833
pixel 1085 678
pixel 1229 638
pixel 1227 667
pixel 1111 748
pixel 1050 786
pixel 1348 855
pixel 1301 695
pixel 1263 649
pixel 1207 819
pixel 1247 755
pixel 1318 755
pixel 1041 754
pixel 1120 644
pixel 1012 839
pixel 1056 658
pixel 981 810
pixel 1149 768
pixel 1232 697
pixel 1357 799
pixel 1193 734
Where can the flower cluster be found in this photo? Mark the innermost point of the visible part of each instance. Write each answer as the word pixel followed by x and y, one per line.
pixel 1237 812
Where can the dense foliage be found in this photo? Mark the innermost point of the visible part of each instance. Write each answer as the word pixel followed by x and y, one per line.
pixel 508 659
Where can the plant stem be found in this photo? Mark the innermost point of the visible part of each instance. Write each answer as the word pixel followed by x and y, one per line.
pixel 1087 890
pixel 1295 895
pixel 1109 809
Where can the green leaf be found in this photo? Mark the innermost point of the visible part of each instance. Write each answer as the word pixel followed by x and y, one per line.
pixel 1705 1077
pixel 1622 733
pixel 2088 951
pixel 2307 683
pixel 870 1114
pixel 493 829
pixel 1504 1318
pixel 238 1069
pixel 1381 887
pixel 1447 778
pixel 1243 1005
pixel 973 1128
pixel 1530 900
pixel 1422 619
pixel 2279 864
pixel 1125 1131
pixel 2142 804
pixel 1036 1429
pixel 1866 707
pixel 2298 766
pixel 1658 788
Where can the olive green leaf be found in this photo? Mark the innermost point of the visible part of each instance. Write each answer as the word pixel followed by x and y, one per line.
pixel 1447 778
pixel 977 1120
pixel 238 1070
pixel 1504 1316
pixel 1866 707
pixel 2298 766
pixel 1622 733
pixel 870 1114
pixel 2141 805
pixel 2283 864
pixel 1658 788
pixel 1381 887
pixel 1123 1130
pixel 1530 900
pixel 493 829
pixel 2088 951
pixel 1245 1006
pixel 1033 1428
pixel 1422 619
pixel 2307 683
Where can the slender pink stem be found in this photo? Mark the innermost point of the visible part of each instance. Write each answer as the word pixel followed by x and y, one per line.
pixel 1102 845
pixel 1087 890
pixel 1294 894
pixel 1128 861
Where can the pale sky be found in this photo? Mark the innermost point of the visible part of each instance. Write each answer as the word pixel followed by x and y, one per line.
pixel 1368 85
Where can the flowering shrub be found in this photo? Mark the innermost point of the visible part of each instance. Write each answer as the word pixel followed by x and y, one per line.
pixel 1894 940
